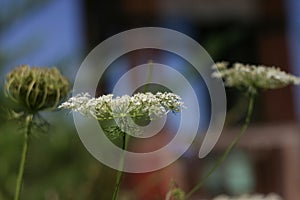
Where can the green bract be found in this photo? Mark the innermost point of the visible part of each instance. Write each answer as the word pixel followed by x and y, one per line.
pixel 254 77
pixel 36 88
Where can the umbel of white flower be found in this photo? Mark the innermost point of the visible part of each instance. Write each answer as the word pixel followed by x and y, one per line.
pixel 271 196
pixel 253 77
pixel 122 109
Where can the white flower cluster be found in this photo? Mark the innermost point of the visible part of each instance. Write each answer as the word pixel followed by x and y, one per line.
pixel 125 109
pixel 253 77
pixel 106 107
pixel 271 196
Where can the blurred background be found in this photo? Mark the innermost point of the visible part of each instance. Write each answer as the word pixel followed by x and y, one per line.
pixel 62 32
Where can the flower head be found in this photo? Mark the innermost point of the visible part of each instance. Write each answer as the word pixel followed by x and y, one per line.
pixel 253 77
pixel 106 107
pixel 271 196
pixel 175 194
pixel 36 88
pixel 126 108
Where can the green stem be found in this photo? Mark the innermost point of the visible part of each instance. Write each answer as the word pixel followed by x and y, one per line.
pixel 125 140
pixel 28 124
pixel 229 148
pixel 149 76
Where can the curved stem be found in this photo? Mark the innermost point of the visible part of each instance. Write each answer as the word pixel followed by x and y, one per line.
pixel 229 148
pixel 125 140
pixel 28 124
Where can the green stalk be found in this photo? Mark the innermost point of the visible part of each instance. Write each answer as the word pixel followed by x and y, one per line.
pixel 28 124
pixel 125 140
pixel 229 148
pixel 149 76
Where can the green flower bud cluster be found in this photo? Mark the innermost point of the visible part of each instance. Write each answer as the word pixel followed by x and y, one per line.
pixel 253 77
pixel 36 88
pixel 175 194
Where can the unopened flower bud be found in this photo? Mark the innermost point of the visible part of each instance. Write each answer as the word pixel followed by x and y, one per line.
pixel 175 194
pixel 35 88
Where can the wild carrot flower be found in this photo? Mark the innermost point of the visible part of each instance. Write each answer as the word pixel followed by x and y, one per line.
pixel 253 77
pixel 106 107
pixel 271 196
pixel 125 109
pixel 33 89
pixel 175 194
pixel 36 88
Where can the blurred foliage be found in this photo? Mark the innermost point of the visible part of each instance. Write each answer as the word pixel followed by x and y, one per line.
pixel 58 166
